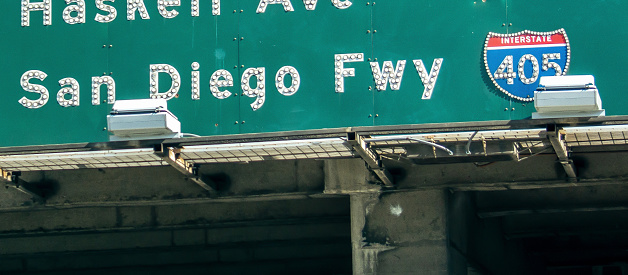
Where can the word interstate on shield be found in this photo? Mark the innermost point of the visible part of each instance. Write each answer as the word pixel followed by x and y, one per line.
pixel 221 80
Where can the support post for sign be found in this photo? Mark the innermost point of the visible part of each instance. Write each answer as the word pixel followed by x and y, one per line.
pixel 557 138
pixel 371 158
pixel 173 157
pixel 12 179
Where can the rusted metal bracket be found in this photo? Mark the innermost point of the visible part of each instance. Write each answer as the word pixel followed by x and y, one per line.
pixel 557 138
pixel 373 161
pixel 173 157
pixel 12 180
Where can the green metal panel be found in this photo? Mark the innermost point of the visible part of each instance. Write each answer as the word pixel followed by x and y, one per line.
pixel 60 50
pixel 427 30
pixel 223 54
pixel 308 40
pixel 178 42
pixel 598 35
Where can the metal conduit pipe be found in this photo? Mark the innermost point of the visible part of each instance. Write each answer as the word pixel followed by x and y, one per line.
pixel 467 148
pixel 369 140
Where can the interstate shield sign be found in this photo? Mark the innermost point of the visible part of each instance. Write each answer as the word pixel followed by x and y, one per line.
pixel 515 62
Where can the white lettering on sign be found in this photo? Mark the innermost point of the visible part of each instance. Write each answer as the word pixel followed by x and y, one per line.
pixel 310 4
pixel 175 78
pixel 97 82
pixel 215 7
pixel 287 5
pixel 535 69
pixel 73 91
pixel 196 81
pixel 509 74
pixel 136 5
pixel 394 75
pixel 552 65
pixel 429 80
pixel 341 4
pixel 390 73
pixel 341 72
pixel 34 88
pixel 75 12
pixel 112 13
pixel 526 39
pixel 45 6
pixel 259 92
pixel 195 11
pixel 281 77
pixel 216 82
pixel 506 69
pixel 79 9
pixel 287 81
pixel 162 6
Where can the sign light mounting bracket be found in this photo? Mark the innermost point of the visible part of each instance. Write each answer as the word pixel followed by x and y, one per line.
pixel 172 156
pixel 557 137
pixel 372 159
pixel 13 180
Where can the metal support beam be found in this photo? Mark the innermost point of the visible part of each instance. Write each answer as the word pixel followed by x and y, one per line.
pixel 172 156
pixel 505 213
pixel 371 158
pixel 12 179
pixel 557 138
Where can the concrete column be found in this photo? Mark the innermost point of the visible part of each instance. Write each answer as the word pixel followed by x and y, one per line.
pixel 348 176
pixel 394 232
pixel 400 233
pixel 364 254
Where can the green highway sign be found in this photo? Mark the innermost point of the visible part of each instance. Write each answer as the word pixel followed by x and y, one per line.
pixel 247 66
